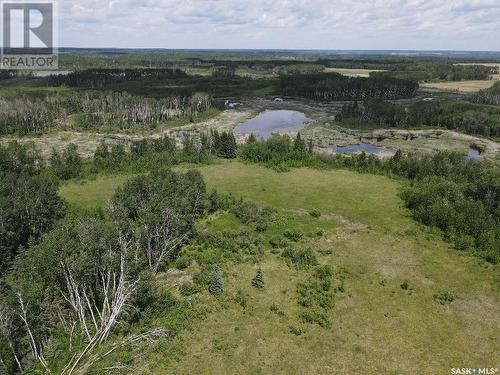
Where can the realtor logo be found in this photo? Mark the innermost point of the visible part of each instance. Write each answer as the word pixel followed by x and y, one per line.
pixel 28 35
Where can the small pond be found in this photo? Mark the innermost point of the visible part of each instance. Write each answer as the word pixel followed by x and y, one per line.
pixel 362 147
pixel 474 155
pixel 266 123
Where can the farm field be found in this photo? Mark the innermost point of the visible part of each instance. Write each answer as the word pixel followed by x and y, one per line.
pixel 464 86
pixel 353 72
pixel 377 326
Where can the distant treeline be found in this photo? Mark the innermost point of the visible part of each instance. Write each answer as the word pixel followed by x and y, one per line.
pixel 334 86
pixel 94 110
pixel 464 116
pixel 432 71
pixel 96 78
pixel 460 197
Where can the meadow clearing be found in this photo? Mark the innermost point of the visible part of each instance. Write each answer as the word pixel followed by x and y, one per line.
pixel 385 320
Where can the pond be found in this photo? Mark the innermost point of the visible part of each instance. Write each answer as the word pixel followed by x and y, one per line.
pixel 474 155
pixel 367 148
pixel 269 122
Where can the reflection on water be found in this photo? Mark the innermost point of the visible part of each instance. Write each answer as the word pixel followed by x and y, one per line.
pixel 272 121
pixel 474 155
pixel 362 147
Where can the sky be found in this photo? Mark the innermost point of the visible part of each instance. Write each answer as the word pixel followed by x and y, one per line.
pixel 281 24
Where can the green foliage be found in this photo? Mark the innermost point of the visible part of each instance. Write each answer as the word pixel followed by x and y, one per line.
pixel 460 197
pixel 249 213
pixel 334 86
pixel 95 110
pixel 29 203
pixel 213 202
pixel 276 310
pixel 405 285
pixel 242 299
pixel 69 164
pixel 315 317
pixel 278 242
pixel 315 213
pixel 294 235
pixel 316 297
pixel 216 282
pixel 444 298
pixel 464 116
pixel 258 280
pixel 299 258
pixel 188 289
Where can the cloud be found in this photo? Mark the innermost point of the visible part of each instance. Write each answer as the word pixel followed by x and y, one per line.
pixel 306 24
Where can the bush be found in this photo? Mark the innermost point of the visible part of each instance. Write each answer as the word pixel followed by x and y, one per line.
pixel 315 213
pixel 299 258
pixel 188 289
pixel 293 235
pixel 278 242
pixel 444 298
pixel 241 298
pixel 406 285
pixel 315 317
pixel 276 310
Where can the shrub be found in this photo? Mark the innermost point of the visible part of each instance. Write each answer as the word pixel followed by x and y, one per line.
pixel 276 310
pixel 295 331
pixel 444 298
pixel 299 258
pixel 406 285
pixel 293 235
pixel 241 298
pixel 182 262
pixel 258 280
pixel 277 242
pixel 315 317
pixel 315 213
pixel 188 289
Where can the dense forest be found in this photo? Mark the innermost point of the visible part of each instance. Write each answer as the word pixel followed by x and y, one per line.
pixel 334 86
pixel 488 96
pixel 94 110
pixel 463 116
pixel 96 78
pixel 436 71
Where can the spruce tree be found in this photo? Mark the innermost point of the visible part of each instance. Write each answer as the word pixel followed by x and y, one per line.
pixel 258 280
pixel 216 282
pixel 213 202
pixel 299 144
pixel 251 139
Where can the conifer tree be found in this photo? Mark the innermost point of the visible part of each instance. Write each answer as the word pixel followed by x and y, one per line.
pixel 258 280
pixel 216 282
pixel 251 139
pixel 299 144
pixel 213 202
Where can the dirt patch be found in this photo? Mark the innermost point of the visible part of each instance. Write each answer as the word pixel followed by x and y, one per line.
pixel 346 223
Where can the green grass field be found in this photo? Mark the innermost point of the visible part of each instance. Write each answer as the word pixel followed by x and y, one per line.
pixel 377 326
